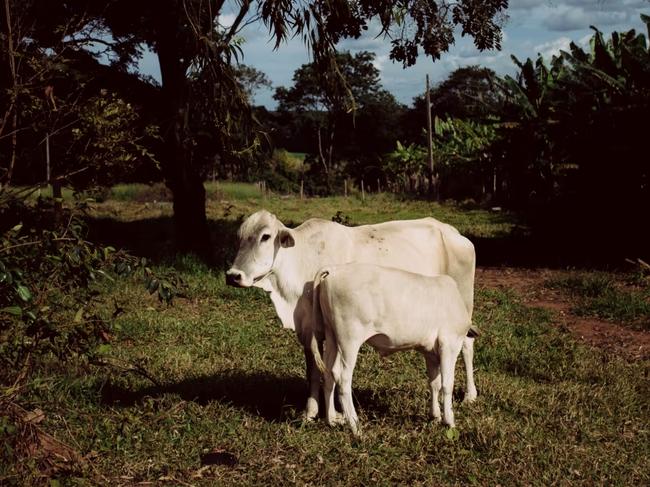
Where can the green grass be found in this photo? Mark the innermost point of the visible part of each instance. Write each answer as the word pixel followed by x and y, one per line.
pixel 145 226
pixel 598 295
pixel 46 192
pixel 550 411
pixel 233 191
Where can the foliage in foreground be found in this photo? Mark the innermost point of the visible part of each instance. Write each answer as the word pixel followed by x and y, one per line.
pixel 50 277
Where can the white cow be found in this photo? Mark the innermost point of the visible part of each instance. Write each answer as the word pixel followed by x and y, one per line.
pixel 284 261
pixel 392 310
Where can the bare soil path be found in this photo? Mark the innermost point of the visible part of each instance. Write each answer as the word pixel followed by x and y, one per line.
pixel 528 284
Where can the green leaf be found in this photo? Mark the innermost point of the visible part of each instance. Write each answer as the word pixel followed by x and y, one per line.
pixel 13 310
pixel 452 434
pixel 103 349
pixel 23 292
pixel 153 286
pixel 108 251
pixel 104 274
pixel 79 315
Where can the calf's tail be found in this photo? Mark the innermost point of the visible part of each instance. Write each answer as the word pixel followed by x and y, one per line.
pixel 317 330
pixel 473 331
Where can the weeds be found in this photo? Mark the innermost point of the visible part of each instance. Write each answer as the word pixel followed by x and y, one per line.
pixel 598 295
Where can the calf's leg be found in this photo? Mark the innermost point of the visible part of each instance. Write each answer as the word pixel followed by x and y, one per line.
pixel 343 371
pixel 468 359
pixel 449 350
pixel 435 382
pixel 331 359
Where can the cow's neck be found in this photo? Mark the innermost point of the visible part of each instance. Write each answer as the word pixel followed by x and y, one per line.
pixel 293 269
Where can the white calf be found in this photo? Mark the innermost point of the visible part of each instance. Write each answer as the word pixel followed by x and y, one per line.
pixel 392 310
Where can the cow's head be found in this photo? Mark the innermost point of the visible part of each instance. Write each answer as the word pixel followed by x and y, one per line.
pixel 261 236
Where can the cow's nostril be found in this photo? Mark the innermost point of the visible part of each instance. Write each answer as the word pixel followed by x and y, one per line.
pixel 233 278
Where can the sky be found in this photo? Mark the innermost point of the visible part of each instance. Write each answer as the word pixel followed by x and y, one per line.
pixel 533 27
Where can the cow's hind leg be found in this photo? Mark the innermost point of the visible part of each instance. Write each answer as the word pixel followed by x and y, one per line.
pixel 435 382
pixel 468 359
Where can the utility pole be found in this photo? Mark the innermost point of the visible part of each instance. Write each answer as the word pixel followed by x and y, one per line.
pixel 429 141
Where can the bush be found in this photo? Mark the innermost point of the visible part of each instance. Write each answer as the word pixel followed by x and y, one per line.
pixel 49 276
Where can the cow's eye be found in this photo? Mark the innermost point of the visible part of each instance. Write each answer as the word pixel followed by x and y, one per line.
pixel 265 237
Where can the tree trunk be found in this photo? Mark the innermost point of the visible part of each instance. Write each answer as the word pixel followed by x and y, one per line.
pixel 181 176
pixel 14 94
pixel 432 193
pixel 326 162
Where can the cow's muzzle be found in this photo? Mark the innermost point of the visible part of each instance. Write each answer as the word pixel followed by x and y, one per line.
pixel 234 278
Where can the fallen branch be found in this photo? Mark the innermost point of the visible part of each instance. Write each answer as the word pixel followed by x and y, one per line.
pixel 125 367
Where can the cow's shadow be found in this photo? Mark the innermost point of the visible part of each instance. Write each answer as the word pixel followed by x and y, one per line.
pixel 272 397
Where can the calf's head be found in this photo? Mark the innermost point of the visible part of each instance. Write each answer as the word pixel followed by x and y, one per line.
pixel 261 236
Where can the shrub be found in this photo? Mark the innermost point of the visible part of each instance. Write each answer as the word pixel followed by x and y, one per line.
pixel 49 276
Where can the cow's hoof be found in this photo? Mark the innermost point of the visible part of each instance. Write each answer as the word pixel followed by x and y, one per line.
pixel 311 411
pixel 336 420
pixel 469 398
pixel 435 415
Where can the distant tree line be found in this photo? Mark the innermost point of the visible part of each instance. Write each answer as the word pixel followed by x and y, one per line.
pixel 565 131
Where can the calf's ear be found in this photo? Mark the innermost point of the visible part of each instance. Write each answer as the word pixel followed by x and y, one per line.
pixel 286 239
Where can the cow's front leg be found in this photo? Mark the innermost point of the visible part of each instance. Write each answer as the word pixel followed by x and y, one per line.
pixel 313 380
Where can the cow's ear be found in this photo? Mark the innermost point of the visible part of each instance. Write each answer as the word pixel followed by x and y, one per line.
pixel 286 239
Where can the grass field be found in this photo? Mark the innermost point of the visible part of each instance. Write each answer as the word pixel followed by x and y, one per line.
pixel 230 388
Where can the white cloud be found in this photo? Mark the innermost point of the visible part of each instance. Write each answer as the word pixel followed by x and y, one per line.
pixel 592 5
pixel 552 48
pixel 226 20
pixel 380 61
pixel 566 18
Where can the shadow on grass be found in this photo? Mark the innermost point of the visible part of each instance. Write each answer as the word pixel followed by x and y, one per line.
pixel 547 245
pixel 153 238
pixel 558 248
pixel 273 397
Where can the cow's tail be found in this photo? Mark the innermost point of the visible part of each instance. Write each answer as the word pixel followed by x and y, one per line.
pixel 474 331
pixel 318 330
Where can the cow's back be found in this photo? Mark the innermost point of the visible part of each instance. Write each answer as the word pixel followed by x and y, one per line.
pixel 424 246
pixel 415 246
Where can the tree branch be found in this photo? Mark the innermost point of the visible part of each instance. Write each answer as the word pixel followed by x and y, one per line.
pixel 234 28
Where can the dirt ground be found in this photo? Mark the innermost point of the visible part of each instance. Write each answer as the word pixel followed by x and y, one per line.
pixel 529 285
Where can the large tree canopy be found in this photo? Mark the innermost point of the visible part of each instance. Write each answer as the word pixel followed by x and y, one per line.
pixel 196 55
